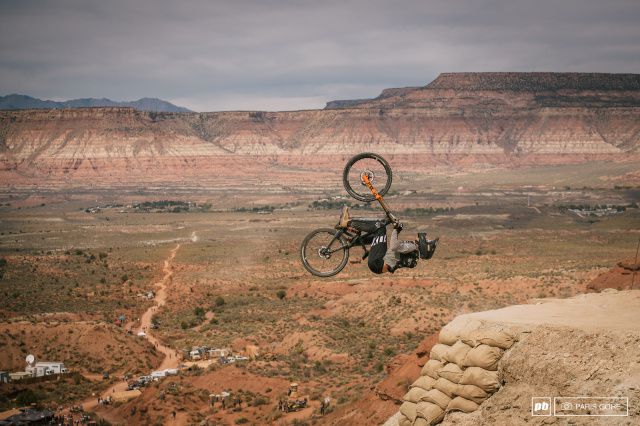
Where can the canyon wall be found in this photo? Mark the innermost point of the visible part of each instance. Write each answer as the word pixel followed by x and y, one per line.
pixel 463 120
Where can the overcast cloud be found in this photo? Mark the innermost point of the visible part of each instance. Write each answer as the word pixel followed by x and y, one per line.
pixel 281 55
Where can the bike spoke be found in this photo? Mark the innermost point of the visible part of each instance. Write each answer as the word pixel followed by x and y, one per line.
pixel 318 255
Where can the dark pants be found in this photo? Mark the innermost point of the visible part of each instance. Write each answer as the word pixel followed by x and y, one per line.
pixel 378 250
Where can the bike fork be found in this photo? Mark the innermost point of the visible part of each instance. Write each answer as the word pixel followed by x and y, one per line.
pixel 379 198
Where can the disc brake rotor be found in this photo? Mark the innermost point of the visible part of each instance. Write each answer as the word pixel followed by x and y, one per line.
pixel 322 252
pixel 369 174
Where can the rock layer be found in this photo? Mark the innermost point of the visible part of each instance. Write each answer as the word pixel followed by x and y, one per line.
pixel 459 119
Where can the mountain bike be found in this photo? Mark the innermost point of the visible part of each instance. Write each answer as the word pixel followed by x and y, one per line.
pixel 325 251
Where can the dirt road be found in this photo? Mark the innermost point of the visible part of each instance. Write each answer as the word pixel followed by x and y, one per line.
pixel 170 355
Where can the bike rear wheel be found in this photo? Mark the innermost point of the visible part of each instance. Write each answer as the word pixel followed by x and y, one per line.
pixel 323 254
pixel 376 168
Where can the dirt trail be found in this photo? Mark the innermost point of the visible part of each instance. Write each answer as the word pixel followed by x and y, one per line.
pixel 170 355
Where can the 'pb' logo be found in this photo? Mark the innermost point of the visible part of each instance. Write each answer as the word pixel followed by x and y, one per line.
pixel 541 406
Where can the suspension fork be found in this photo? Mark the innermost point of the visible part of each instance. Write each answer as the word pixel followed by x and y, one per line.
pixel 378 197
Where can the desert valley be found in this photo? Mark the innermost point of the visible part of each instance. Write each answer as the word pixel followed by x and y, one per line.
pixel 134 242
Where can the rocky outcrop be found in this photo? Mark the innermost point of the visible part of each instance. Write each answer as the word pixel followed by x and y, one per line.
pixel 536 81
pixel 460 119
pixel 624 276
pixel 490 366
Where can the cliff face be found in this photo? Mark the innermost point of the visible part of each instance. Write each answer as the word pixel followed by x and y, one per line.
pixel 462 119
pixel 503 361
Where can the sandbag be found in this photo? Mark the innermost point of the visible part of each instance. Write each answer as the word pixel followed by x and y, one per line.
pixel 472 393
pixel 484 379
pixel 421 422
pixel 495 336
pixel 451 372
pixel 483 356
pixel 403 421
pixel 448 335
pixel 445 386
pixel 438 352
pixel 457 353
pixel 430 412
pixel 408 409
pixel 437 397
pixel 460 404
pixel 431 368
pixel 424 382
pixel 414 395
pixel 462 326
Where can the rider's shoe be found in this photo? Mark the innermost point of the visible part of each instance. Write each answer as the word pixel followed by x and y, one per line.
pixel 345 217
pixel 426 247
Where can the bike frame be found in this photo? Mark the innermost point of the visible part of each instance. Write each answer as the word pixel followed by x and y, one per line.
pixel 356 239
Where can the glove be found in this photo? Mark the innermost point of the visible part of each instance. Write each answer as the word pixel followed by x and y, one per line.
pixel 398 226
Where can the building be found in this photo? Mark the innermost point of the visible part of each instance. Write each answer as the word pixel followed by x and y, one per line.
pixel 160 374
pixel 44 368
pixel 19 375
pixel 218 353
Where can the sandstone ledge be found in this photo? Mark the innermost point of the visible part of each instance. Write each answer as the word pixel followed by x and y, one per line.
pixel 588 345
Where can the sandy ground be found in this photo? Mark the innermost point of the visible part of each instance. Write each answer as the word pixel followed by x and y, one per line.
pixel 610 310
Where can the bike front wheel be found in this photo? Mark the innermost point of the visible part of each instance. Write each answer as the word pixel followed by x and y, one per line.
pixel 324 252
pixel 377 170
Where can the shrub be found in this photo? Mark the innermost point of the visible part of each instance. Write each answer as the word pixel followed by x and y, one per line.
pixel 27 397
pixel 260 400
pixel 281 294
pixel 220 301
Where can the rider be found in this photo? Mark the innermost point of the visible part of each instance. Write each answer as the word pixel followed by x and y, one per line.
pixel 385 257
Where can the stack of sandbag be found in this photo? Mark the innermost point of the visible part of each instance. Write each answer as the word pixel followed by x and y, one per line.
pixel 461 373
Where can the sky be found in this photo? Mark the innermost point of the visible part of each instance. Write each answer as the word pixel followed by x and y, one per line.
pixel 287 55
